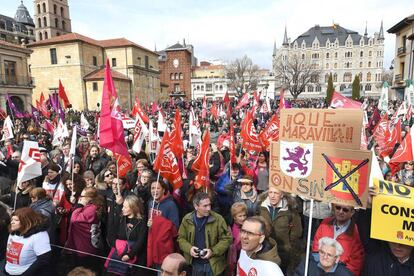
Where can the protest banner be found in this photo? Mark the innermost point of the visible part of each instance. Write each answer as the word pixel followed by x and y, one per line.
pixel 393 213
pixel 247 266
pixel 327 174
pixel 337 128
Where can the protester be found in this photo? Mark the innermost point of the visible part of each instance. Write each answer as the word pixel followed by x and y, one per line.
pixel 239 215
pixel 52 185
pixel 4 233
pixel 28 247
pixel 204 238
pixel 262 172
pixel 246 192
pixel 19 196
pixel 43 205
pixel 325 261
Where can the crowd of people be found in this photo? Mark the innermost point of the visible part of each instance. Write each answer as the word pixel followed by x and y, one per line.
pixel 81 218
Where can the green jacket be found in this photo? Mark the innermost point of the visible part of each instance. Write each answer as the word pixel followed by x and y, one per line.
pixel 286 230
pixel 218 239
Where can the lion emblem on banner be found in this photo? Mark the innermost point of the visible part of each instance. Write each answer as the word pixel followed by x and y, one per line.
pixel 296 159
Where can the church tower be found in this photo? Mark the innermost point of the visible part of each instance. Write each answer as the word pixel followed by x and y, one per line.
pixel 51 18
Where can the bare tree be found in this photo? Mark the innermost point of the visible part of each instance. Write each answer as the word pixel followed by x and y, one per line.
pixel 294 73
pixel 241 72
pixel 387 76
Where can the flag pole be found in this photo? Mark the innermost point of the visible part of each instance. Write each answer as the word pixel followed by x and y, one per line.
pixel 117 176
pixel 153 199
pixel 309 237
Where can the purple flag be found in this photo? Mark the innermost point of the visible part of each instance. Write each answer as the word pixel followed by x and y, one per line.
pixel 13 108
pixel 35 115
pixel 54 102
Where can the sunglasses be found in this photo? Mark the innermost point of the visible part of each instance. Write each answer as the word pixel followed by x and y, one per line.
pixel 108 175
pixel 344 209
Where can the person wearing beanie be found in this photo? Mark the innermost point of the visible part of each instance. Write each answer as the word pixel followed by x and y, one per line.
pixel 54 189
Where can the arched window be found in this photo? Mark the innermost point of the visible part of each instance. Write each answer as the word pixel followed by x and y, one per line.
pixel 202 88
pixel 303 56
pixel 335 65
pixel 198 87
pixel 40 36
pixel 360 64
pixel 326 77
pixel 46 35
pixel 368 87
pixel 221 87
pixel 335 77
pixel 176 76
pixel 310 88
pixel 370 53
pixel 318 88
pixel 62 11
pixel 39 22
pixel 216 88
pixel 360 76
pixel 181 76
pixel 369 76
pixel 44 22
pixel 347 77
pixel 56 23
pixel 38 8
pixel 327 55
pixel 342 87
pixel 369 64
pixel 336 54
pixel 44 7
pixel 63 25
pixel 172 76
pixel 361 54
pixel 54 9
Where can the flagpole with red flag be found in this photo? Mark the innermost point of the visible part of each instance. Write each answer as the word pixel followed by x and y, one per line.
pixel 111 131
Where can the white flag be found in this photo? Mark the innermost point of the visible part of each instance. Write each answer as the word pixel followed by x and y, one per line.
pixel 7 129
pixel 84 123
pixel 194 129
pixel 73 143
pixel 265 106
pixel 154 140
pixel 161 125
pixel 383 101
pixel 248 266
pixel 60 133
pixel 29 166
pixel 376 171
pixel 140 132
pixel 409 94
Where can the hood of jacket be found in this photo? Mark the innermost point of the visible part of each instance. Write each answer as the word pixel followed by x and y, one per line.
pixel 268 251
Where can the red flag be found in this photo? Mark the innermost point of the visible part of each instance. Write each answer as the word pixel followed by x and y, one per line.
pixel 409 114
pixel 42 106
pixel 138 110
pixel 204 110
pixel 232 146
pixel 270 132
pixel 381 132
pixel 394 138
pixel 154 108
pixel 249 135
pixel 374 119
pixel 111 131
pixel 201 163
pixel 124 164
pixel 63 96
pixel 3 114
pixel 166 164
pixel 49 126
pixel 256 102
pixel 214 111
pixel 340 101
pixel 282 100
pixel 226 99
pixel 405 150
pixel 176 139
pixel 243 101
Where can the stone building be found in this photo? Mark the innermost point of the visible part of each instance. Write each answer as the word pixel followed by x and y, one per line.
pixel 19 29
pixel 78 61
pixel 51 18
pixel 15 78
pixel 340 51
pixel 176 64
pixel 404 54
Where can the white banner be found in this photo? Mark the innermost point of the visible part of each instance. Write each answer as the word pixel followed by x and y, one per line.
pixel 29 166
pixel 249 267
pixel 7 129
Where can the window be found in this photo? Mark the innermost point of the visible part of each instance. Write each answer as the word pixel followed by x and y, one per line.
pixel 303 56
pixel 336 54
pixel 44 7
pixel 318 88
pixel 368 76
pixel 342 87
pixel 177 87
pixel 46 35
pixel 369 64
pixel 326 77
pixel 44 22
pixel 310 88
pixel 327 66
pixel 221 87
pixel 347 77
pixel 370 53
pixel 327 55
pixel 146 60
pixel 202 88
pixel 39 22
pixel 336 65
pixel 139 61
pixel 361 54
pixel 335 77
pixel 181 76
pixel 38 8
pixel 360 76
pixel 95 86
pixel 62 11
pixel 94 61
pixel 176 76
pixel 57 34
pixel 198 87
pixel 368 87
pixel 56 23
pixel 53 56
pixel 209 87
pixel 360 64
pixel 63 25
pixel 10 72
pixel 113 62
pixel 171 76
pixel 40 36
pixel 54 9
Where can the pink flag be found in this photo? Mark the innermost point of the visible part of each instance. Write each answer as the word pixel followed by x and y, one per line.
pixel 243 101
pixel 111 131
pixel 339 101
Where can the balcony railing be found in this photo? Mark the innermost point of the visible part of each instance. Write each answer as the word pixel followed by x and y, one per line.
pixel 13 80
pixel 401 51
pixel 399 78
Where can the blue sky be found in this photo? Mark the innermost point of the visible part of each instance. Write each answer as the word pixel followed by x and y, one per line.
pixel 224 29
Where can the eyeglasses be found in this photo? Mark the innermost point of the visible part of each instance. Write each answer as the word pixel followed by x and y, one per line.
pixel 344 209
pixel 108 175
pixel 329 255
pixel 248 233
pixel 246 184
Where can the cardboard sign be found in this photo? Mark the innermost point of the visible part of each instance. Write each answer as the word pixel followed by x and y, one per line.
pixel 393 213
pixel 339 128
pixel 327 174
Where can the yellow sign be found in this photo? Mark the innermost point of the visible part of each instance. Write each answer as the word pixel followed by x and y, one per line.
pixel 393 213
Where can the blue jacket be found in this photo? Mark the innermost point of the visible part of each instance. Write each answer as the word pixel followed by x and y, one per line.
pixel 167 208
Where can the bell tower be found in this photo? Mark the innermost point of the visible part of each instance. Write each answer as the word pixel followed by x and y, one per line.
pixel 51 18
